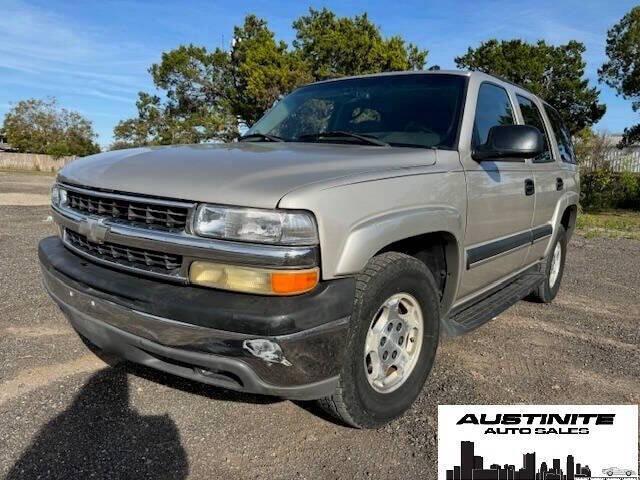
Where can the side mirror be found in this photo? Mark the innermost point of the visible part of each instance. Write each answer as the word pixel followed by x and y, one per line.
pixel 510 141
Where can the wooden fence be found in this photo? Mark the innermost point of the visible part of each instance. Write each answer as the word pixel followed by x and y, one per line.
pixel 33 161
pixel 613 159
pixel 624 160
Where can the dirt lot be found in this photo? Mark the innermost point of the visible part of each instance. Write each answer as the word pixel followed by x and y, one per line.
pixel 65 414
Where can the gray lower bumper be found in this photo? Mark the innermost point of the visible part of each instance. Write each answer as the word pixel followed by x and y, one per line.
pixel 292 366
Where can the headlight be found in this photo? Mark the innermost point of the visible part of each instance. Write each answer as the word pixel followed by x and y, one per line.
pixel 58 196
pixel 255 225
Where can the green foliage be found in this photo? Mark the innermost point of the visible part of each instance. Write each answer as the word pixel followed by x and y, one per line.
pixel 262 70
pixel 41 126
pixel 628 191
pixel 596 190
pixel 196 107
pixel 603 189
pixel 143 130
pixel 600 187
pixel 337 46
pixel 592 148
pixel 554 73
pixel 622 71
pixel 207 94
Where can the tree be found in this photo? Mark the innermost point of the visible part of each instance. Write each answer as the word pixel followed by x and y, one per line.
pixel 556 74
pixel 591 149
pixel 337 46
pixel 208 93
pixel 41 126
pixel 195 106
pixel 205 95
pixel 622 71
pixel 262 69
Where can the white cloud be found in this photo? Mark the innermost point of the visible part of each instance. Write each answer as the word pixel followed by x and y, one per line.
pixel 54 52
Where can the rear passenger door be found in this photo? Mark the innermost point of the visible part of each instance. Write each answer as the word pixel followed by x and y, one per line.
pixel 564 152
pixel 499 210
pixel 547 178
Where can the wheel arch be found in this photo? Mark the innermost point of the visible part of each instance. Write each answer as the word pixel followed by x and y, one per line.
pixel 568 219
pixel 432 235
pixel 565 214
pixel 439 252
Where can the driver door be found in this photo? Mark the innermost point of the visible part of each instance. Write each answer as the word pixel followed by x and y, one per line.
pixel 500 201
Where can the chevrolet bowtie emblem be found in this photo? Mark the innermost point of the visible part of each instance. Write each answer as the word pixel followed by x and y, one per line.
pixel 94 229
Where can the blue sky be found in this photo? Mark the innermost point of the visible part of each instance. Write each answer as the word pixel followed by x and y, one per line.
pixel 94 55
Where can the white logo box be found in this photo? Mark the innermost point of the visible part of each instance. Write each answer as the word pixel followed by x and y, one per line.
pixel 519 438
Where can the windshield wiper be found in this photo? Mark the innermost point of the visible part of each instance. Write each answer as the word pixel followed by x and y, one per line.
pixel 263 136
pixel 369 140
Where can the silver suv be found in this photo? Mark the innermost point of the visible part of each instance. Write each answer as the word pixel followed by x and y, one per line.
pixel 322 255
pixel 610 471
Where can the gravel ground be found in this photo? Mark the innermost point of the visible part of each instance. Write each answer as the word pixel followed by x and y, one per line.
pixel 66 414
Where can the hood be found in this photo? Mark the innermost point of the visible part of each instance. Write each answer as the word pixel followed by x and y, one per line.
pixel 252 174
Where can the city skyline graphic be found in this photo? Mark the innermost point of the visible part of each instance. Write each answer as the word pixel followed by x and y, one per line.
pixel 472 467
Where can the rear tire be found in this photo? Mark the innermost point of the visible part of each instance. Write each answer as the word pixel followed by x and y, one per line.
pixel 553 268
pixel 360 399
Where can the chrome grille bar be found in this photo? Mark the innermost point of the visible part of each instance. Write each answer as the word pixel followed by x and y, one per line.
pixel 140 211
pixel 133 258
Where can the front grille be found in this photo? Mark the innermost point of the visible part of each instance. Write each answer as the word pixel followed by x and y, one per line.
pixel 136 212
pixel 140 259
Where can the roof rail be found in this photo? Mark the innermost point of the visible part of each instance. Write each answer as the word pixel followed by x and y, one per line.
pixel 506 80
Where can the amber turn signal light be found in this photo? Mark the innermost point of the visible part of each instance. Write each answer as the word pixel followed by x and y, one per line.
pixel 288 283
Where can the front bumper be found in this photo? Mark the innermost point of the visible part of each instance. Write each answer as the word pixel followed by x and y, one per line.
pixel 289 347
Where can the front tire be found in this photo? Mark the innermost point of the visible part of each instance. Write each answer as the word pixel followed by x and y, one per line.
pixel 392 342
pixel 553 267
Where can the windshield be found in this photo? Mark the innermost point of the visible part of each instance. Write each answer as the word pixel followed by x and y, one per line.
pixel 418 110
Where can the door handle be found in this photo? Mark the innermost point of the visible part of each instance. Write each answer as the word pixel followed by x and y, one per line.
pixel 529 187
pixel 559 184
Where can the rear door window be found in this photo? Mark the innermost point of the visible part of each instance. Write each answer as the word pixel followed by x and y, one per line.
pixel 493 109
pixel 563 136
pixel 532 116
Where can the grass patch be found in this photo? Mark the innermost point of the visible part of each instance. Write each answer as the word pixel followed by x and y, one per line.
pixel 610 224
